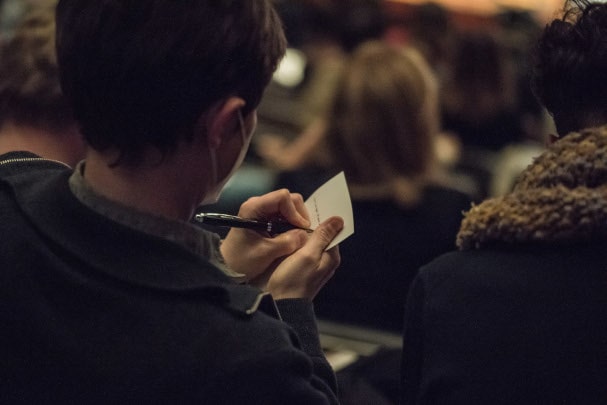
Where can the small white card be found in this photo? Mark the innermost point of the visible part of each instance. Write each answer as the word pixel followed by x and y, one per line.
pixel 332 199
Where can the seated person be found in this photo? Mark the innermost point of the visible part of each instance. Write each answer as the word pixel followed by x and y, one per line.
pixel 109 294
pixel 517 316
pixel 381 132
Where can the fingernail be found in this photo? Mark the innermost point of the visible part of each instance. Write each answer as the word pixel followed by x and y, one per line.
pixel 337 223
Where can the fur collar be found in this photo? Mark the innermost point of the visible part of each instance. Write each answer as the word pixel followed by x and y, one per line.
pixel 560 198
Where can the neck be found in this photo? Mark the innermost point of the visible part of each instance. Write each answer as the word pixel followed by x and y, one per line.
pixel 65 146
pixel 172 188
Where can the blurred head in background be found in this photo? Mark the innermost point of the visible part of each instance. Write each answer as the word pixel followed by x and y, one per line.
pixel 481 83
pixel 383 120
pixel 34 115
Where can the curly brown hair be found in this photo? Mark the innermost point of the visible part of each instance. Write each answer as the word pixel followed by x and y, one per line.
pixel 570 63
pixel 560 198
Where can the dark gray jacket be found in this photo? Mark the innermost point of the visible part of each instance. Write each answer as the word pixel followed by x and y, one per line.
pixel 96 312
pixel 519 314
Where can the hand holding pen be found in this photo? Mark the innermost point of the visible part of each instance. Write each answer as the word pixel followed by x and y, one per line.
pixel 272 228
pixel 291 264
pixel 253 253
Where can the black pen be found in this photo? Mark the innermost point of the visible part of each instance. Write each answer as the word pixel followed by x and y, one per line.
pixel 232 221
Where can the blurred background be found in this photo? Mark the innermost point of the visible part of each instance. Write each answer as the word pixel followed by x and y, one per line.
pixel 475 104
pixel 490 124
pixel 426 106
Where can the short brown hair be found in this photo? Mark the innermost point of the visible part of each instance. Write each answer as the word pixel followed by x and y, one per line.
pixel 140 73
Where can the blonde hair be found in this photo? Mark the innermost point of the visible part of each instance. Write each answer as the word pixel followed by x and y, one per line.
pixel 384 117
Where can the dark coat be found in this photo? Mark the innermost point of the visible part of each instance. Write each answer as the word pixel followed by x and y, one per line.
pixel 389 245
pixel 509 326
pixel 519 315
pixel 95 312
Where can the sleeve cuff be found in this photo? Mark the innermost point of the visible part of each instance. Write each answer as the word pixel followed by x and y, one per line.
pixel 299 314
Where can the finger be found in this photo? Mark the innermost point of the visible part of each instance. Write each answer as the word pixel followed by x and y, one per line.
pixel 300 207
pixel 331 258
pixel 286 243
pixel 330 261
pixel 279 203
pixel 263 206
pixel 293 210
pixel 288 205
pixel 324 234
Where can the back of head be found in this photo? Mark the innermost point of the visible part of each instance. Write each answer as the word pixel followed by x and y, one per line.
pixel 140 73
pixel 384 115
pixel 570 62
pixel 30 94
pixel 478 61
pixel 480 84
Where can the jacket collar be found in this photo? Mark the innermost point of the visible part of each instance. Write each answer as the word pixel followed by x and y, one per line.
pixel 197 240
pixel 109 249
pixel 561 198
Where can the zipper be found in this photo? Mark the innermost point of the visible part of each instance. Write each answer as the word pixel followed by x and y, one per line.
pixel 22 160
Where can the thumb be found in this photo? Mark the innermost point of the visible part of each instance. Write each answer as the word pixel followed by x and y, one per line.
pixel 325 233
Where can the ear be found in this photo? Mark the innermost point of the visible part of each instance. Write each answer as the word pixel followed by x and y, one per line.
pixel 222 120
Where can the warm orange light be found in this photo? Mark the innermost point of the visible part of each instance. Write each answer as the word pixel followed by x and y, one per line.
pixel 543 9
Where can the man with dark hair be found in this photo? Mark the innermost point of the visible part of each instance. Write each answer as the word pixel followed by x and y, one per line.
pixel 570 62
pixel 110 295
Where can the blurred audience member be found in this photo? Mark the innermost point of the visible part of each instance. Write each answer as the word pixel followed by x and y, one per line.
pixel 109 294
pixel 479 103
pixel 320 41
pixel 518 315
pixel 380 131
pixel 325 32
pixel 479 96
pixel 432 32
pixel 34 116
pixel 10 13
pixel 519 32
